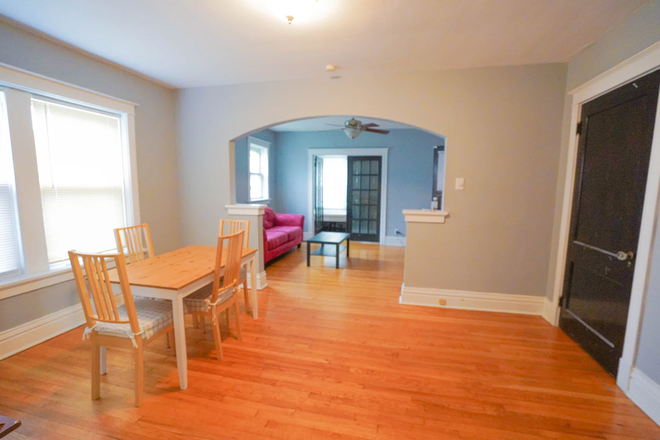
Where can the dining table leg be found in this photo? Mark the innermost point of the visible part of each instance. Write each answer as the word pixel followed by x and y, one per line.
pixel 253 287
pixel 180 344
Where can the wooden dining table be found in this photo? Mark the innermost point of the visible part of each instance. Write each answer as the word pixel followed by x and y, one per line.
pixel 175 275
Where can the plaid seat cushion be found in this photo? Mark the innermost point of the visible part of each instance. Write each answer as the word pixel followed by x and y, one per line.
pixel 153 316
pixel 200 301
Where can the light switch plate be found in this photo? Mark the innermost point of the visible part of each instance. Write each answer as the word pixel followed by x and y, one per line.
pixel 460 183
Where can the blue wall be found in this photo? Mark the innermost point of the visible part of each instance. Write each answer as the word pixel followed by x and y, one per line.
pixel 410 169
pixel 241 167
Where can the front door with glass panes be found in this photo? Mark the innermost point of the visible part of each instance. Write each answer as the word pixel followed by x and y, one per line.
pixel 364 188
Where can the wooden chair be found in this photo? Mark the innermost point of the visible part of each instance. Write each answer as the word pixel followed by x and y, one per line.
pixel 131 325
pixel 221 295
pixel 8 425
pixel 136 240
pixel 232 227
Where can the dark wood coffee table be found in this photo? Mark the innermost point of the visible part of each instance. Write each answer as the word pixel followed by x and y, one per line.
pixel 335 240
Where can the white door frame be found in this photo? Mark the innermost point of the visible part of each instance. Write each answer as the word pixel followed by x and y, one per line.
pixel 382 152
pixel 644 62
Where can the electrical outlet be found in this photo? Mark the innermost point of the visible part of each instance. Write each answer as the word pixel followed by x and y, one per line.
pixel 397 232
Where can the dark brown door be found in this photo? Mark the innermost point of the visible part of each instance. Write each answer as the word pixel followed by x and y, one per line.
pixel 364 186
pixel 614 148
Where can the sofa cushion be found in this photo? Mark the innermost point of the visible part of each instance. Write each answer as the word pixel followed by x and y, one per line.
pixel 292 232
pixel 269 218
pixel 276 238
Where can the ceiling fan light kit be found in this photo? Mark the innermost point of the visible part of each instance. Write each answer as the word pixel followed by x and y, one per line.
pixel 353 128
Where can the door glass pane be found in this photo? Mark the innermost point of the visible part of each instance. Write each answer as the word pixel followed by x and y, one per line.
pixel 365 213
pixel 372 227
pixel 356 197
pixel 364 198
pixel 356 167
pixel 374 182
pixel 365 182
pixel 356 182
pixel 374 167
pixel 364 227
pixel 365 167
pixel 356 211
pixel 373 212
pixel 373 197
pixel 355 226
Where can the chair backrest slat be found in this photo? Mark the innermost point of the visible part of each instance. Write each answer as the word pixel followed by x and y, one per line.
pixel 231 226
pixel 99 302
pixel 228 254
pixel 137 242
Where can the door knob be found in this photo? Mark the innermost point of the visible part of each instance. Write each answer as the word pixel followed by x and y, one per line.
pixel 623 256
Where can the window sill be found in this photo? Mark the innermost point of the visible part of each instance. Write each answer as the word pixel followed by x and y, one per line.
pixel 266 201
pixel 27 283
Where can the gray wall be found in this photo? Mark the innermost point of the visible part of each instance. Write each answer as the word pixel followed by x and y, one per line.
pixel 242 166
pixel 636 34
pixel 156 148
pixel 410 169
pixel 502 126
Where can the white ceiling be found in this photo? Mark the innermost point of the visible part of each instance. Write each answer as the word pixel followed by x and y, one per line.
pixel 191 43
pixel 326 123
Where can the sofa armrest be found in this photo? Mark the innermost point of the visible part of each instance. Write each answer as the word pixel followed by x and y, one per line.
pixel 290 220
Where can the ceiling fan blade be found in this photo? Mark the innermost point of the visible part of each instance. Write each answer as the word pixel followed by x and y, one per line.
pixel 369 125
pixel 373 130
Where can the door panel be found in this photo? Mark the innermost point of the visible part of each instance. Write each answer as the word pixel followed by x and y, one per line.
pixel 364 190
pixel 612 166
pixel 318 194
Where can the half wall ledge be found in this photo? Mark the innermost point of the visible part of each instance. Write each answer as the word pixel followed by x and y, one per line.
pixel 424 216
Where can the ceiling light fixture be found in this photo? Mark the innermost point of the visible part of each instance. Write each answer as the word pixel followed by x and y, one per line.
pixel 292 9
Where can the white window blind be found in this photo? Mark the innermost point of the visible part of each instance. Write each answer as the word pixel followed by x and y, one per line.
pixel 81 174
pixel 335 185
pixel 258 172
pixel 10 261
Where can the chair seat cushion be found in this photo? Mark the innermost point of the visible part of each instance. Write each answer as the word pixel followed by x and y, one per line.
pixel 292 232
pixel 200 301
pixel 276 238
pixel 153 316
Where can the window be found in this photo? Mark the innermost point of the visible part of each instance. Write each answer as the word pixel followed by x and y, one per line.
pixel 10 259
pixel 335 185
pixel 80 159
pixel 258 162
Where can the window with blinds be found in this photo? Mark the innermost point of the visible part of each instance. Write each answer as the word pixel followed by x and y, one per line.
pixel 10 260
pixel 80 158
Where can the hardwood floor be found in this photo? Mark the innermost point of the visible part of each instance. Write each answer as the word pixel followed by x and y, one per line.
pixel 333 356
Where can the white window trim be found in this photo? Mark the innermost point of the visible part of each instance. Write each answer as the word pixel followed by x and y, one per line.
pixel 265 145
pixel 329 152
pixel 37 272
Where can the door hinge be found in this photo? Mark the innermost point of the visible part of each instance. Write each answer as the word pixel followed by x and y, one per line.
pixel 579 128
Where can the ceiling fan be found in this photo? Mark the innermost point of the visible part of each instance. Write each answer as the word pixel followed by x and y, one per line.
pixel 353 128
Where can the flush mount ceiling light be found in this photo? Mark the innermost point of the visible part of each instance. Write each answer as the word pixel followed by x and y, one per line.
pixel 292 9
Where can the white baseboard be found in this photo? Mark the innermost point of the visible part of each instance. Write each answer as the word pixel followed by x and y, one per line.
pixel 262 283
pixel 31 333
pixel 461 299
pixel 550 312
pixel 645 393
pixel 395 240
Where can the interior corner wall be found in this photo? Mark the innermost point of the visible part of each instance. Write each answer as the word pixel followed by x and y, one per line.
pixel 155 131
pixel 409 174
pixel 242 166
pixel 502 127
pixel 639 32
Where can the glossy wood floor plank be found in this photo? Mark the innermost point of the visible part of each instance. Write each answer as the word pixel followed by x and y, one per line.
pixel 333 356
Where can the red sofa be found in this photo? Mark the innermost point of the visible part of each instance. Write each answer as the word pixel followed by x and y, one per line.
pixel 281 233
